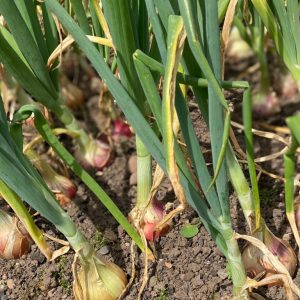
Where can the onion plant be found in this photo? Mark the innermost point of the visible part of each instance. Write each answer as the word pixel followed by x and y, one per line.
pixel 215 215
pixel 200 57
pixel 173 42
pixel 289 174
pixel 96 277
pixel 13 245
pixel 63 188
pixel 25 58
pixel 25 49
pixel 281 19
pixel 125 41
pixel 265 101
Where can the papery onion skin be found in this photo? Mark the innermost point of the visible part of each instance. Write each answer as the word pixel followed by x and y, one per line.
pixel 257 263
pixel 99 280
pixel 251 257
pixel 63 188
pixel 297 212
pixel 72 95
pixel 283 250
pixel 14 239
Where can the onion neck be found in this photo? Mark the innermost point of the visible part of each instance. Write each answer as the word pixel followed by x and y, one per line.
pixel 144 174
pixel 67 118
pixel 241 187
pixel 234 258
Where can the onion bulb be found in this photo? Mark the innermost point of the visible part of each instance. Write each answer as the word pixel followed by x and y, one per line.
pixel 120 128
pixel 288 86
pixel 63 188
pixel 153 215
pixel 98 279
pixel 265 105
pixel 256 262
pixel 14 239
pixel 237 47
pixel 96 154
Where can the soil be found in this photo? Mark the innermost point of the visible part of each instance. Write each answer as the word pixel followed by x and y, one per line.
pixel 191 268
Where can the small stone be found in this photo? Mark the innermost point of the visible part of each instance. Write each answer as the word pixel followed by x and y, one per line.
pixel 51 293
pixel 104 250
pixel 168 265
pixel 10 284
pixel 182 242
pixel 133 179
pixel 173 253
pixel 181 295
pixel 160 286
pixel 170 290
pixel 196 250
pixel 277 212
pixel 120 230
pixel 197 281
pixel 99 173
pixel 287 236
pixel 34 263
pixel 132 164
pixel 195 221
pixel 96 85
pixel 222 274
pixel 160 265
pixel 45 283
pixel 48 282
pixel 152 281
pixel 110 234
pixel 199 241
pixel 82 199
pixel 38 257
pixel 194 267
pixel 52 268
pixel 188 276
pixel 203 289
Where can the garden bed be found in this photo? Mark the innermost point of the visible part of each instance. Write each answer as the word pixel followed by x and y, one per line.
pixel 185 268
